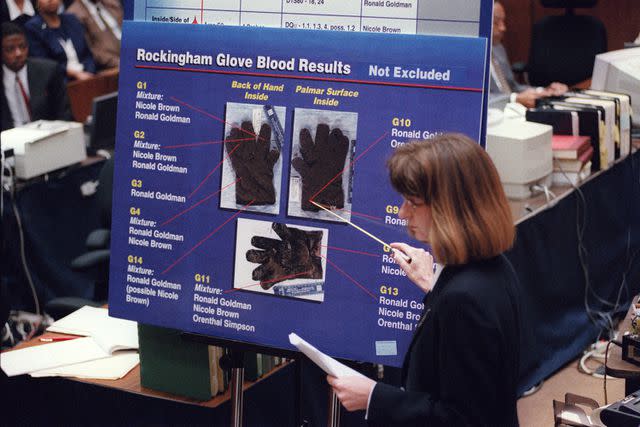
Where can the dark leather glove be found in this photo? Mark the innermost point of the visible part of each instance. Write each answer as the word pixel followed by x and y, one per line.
pixel 296 256
pixel 253 162
pixel 321 161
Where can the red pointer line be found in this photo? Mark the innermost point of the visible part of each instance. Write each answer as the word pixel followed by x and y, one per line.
pixel 199 203
pixel 214 117
pixel 211 173
pixel 350 278
pixel 353 163
pixel 277 279
pixel 196 144
pixel 207 237
pixel 352 251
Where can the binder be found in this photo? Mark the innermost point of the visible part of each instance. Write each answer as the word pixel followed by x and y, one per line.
pixel 611 119
pixel 563 122
pixel 625 115
pixel 171 364
pixel 589 124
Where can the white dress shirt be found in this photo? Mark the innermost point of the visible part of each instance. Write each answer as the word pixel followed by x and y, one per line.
pixel 17 106
pixel 14 10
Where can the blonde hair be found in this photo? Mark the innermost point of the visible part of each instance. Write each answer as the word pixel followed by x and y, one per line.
pixel 456 178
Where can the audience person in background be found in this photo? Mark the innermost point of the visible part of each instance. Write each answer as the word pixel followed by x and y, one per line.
pixel 34 89
pixel 60 37
pixel 102 20
pixel 18 11
pixel 503 84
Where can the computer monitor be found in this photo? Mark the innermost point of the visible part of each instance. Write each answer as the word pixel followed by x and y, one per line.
pixel 103 123
pixel 619 71
pixel 522 154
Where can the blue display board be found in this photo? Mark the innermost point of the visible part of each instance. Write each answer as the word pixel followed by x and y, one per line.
pixel 225 134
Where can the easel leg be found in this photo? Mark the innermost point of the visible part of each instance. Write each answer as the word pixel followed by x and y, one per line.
pixel 237 381
pixel 334 409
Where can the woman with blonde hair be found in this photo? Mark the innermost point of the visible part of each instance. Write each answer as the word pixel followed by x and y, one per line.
pixel 461 368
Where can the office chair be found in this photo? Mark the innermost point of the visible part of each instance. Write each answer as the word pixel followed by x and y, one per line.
pixel 564 47
pixel 95 261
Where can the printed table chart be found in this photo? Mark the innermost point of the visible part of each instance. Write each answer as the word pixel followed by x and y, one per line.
pixel 439 17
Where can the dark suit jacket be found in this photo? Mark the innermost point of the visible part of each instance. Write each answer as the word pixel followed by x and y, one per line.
pixel 20 20
pixel 43 41
pixel 461 368
pixel 48 93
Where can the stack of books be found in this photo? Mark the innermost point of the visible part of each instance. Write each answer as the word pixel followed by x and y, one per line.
pixel 173 364
pixel 571 159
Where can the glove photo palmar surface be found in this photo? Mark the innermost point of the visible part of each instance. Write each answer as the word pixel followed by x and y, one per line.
pixel 252 160
pixel 320 165
pixel 295 256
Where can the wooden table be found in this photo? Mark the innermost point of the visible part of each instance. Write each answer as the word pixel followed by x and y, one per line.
pixel 131 382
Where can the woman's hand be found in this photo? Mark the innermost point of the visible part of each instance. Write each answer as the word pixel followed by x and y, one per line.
pixel 420 269
pixel 353 391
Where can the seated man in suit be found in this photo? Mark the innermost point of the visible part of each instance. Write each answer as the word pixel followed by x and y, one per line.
pixel 503 87
pixel 102 20
pixel 33 88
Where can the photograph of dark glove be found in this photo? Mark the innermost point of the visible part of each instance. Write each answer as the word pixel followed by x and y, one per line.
pixel 252 161
pixel 321 161
pixel 296 256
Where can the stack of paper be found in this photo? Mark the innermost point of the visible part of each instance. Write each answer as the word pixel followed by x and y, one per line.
pixel 95 356
pixel 328 364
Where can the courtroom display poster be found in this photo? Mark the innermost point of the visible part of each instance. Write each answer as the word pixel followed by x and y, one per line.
pixel 251 195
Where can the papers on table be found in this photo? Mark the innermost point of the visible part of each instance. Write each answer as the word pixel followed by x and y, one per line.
pixel 89 357
pixel 109 368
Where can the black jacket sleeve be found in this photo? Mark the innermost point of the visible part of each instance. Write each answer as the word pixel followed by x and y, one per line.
pixel 468 345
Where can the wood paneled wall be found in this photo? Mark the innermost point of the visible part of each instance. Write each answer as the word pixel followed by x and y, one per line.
pixel 620 17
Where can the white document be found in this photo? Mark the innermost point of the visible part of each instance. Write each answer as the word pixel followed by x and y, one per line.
pixel 25 360
pixel 110 368
pixel 328 364
pixel 104 336
pixel 110 333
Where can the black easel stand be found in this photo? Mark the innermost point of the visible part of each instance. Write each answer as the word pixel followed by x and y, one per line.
pixel 234 362
pixel 237 381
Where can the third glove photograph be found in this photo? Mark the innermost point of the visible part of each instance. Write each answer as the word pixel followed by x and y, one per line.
pixel 280 259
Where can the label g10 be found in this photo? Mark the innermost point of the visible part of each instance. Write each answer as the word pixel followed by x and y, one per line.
pixel 401 122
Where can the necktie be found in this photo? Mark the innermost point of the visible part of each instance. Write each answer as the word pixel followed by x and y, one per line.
pixel 26 105
pixel 500 77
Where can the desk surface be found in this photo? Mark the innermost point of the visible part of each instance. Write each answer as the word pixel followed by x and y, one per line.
pixel 131 382
pixel 526 208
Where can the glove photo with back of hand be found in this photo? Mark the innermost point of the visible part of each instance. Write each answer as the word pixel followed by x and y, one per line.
pixel 322 160
pixel 296 256
pixel 253 161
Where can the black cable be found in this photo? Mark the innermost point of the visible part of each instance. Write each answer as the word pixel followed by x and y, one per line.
pixel 23 257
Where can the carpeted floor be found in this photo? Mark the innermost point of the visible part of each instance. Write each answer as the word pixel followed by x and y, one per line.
pixel 536 410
